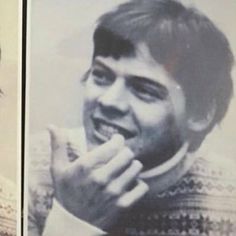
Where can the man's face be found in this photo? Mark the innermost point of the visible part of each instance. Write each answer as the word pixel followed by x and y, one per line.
pixel 134 96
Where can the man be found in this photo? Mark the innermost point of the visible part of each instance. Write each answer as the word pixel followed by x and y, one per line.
pixel 159 81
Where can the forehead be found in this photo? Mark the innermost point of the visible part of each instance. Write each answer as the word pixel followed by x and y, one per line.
pixel 140 65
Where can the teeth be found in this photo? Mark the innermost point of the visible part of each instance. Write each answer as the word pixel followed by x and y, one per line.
pixel 107 130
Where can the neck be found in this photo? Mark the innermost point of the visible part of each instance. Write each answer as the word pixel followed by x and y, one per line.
pixel 167 174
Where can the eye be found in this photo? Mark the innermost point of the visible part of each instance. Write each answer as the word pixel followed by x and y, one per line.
pixel 146 92
pixel 101 77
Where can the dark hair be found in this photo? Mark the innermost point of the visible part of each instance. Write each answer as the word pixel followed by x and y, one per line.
pixel 191 48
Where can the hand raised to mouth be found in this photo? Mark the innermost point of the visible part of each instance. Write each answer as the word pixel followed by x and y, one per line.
pixel 98 186
pixel 107 129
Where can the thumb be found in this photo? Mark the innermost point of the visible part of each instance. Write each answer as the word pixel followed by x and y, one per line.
pixel 58 140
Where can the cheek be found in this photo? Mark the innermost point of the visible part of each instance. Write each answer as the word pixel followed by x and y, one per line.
pixel 156 123
pixel 91 95
pixel 158 131
pixel 92 92
pixel 152 116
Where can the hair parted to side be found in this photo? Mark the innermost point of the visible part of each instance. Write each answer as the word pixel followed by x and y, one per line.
pixel 191 48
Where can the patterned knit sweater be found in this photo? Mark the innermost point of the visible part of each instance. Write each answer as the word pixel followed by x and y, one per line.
pixel 7 208
pixel 201 203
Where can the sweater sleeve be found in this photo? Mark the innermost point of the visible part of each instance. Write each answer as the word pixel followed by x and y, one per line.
pixel 7 207
pixel 40 190
pixel 66 221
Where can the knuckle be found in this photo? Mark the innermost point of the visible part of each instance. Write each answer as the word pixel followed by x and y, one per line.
pixel 113 190
pixel 122 204
pixel 84 167
pixel 99 178
pixel 125 159
pixel 84 164
pixel 79 170
pixel 128 153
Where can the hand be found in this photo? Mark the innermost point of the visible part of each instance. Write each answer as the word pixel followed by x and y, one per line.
pixel 98 186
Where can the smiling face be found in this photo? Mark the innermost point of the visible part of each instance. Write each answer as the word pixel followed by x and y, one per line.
pixel 134 96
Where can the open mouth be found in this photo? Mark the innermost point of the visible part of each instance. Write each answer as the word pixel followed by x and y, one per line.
pixel 105 130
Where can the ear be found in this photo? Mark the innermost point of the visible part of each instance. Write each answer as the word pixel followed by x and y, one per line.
pixel 201 124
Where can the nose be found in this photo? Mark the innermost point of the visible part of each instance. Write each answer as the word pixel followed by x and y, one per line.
pixel 115 98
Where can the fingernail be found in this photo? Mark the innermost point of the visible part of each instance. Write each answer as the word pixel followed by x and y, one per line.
pixel 138 164
pixel 51 128
pixel 118 139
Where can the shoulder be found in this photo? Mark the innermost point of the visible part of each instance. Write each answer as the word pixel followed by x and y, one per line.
pixel 205 196
pixel 7 207
pixel 212 179
pixel 215 165
pixel 217 175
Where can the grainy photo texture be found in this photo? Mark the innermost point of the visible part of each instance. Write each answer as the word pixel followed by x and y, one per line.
pixel 130 118
pixel 9 113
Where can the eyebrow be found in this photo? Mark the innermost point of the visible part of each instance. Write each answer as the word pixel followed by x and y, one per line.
pixel 97 62
pixel 143 79
pixel 159 86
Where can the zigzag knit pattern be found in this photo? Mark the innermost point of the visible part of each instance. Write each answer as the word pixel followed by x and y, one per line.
pixel 201 203
pixel 7 208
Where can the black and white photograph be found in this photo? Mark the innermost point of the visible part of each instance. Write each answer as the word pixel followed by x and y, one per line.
pixel 130 118
pixel 10 84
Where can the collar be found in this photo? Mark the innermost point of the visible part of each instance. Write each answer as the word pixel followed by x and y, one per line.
pixel 161 177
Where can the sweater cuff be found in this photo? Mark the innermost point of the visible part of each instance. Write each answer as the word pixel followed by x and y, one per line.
pixel 60 222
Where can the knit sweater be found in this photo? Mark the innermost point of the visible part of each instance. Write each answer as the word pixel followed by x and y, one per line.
pixel 200 203
pixel 7 208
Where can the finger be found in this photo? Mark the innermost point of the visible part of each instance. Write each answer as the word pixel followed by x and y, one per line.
pixel 58 140
pixel 113 168
pixel 52 129
pixel 126 179
pixel 133 196
pixel 118 164
pixel 105 152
